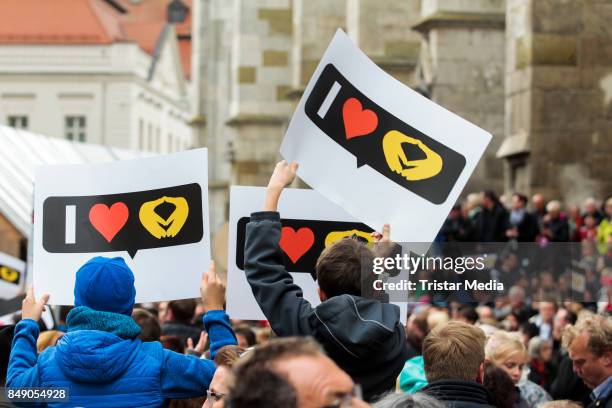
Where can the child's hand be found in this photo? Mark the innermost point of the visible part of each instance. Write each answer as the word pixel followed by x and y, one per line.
pixel 283 175
pixel 30 308
pixel 201 345
pixel 385 236
pixel 212 290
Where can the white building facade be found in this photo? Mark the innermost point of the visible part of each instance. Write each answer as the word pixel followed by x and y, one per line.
pixel 111 94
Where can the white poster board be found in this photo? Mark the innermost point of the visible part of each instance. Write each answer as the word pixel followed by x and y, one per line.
pixel 309 222
pixel 153 212
pixel 378 149
pixel 12 276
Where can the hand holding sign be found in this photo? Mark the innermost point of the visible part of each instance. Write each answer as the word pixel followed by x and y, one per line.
pixel 31 308
pixel 212 290
pixel 283 175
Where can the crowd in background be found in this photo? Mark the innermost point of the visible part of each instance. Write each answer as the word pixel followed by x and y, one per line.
pixel 521 350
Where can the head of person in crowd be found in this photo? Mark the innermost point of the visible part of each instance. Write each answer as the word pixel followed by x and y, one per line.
pixel 485 312
pixel 181 311
pixel 472 202
pixel 416 330
pixel 507 351
pixel 590 207
pixel 488 199
pixel 437 317
pixel 417 400
pixel 225 359
pixel 527 331
pixel 589 344
pixel 500 386
pixel 467 314
pixel 340 267
pixel 546 311
pixel 264 335
pixel 150 329
pixel 459 342
pixel 563 317
pixel 245 335
pixel 47 339
pixel 293 369
pixel 539 203
pixel 553 209
pixel 519 202
pixel 516 297
pixel 540 349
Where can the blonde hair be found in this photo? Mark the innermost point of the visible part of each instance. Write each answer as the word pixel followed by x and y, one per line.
pixel 436 318
pixel 501 345
pixel 453 351
pixel 598 329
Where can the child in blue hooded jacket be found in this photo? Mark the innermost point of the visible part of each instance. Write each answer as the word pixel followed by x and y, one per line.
pixel 100 360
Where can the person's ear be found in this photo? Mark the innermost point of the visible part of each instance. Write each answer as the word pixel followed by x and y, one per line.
pixel 480 377
pixel 322 295
pixel 607 359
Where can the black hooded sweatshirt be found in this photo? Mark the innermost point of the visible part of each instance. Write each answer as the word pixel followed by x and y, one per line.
pixel 364 337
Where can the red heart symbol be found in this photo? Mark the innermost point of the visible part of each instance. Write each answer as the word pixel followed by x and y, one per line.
pixel 296 243
pixel 108 221
pixel 358 121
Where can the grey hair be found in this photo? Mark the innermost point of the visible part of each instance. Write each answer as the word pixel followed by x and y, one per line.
pixel 418 400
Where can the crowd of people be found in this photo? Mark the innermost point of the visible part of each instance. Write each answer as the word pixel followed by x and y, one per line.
pixel 349 351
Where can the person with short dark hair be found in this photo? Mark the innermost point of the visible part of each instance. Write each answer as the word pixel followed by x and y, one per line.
pixel 363 336
pixel 492 221
pixel 522 225
pixel 290 372
pixel 149 325
pixel 500 387
pixel 245 335
pixel 176 317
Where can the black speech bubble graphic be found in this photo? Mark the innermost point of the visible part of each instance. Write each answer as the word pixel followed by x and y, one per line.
pixel 320 230
pixel 132 235
pixel 434 168
pixel 10 275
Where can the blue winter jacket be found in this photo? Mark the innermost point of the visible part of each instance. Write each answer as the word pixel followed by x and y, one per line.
pixel 101 369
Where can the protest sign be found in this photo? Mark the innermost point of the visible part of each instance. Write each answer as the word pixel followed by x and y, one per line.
pixel 12 276
pixel 378 149
pixel 310 223
pixel 153 212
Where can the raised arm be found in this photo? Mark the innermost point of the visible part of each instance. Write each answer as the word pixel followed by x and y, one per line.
pixel 216 321
pixel 22 369
pixel 280 299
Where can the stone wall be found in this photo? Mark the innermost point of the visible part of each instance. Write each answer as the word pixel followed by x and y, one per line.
pixel 559 82
pixel 463 43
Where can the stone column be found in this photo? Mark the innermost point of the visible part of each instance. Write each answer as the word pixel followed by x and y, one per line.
pixel 382 29
pixel 260 83
pixel 463 65
pixel 559 88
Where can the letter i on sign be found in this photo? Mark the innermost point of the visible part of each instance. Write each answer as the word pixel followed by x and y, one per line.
pixel 329 99
pixel 70 224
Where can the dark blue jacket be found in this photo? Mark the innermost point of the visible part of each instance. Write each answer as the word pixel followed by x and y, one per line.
pixel 363 336
pixel 101 369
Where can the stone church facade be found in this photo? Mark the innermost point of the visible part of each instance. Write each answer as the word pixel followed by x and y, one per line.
pixel 537 74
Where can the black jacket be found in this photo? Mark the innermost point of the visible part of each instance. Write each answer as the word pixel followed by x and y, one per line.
pixel 459 394
pixel 492 224
pixel 364 337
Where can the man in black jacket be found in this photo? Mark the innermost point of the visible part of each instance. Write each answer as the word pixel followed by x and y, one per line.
pixel 453 354
pixel 589 343
pixel 363 336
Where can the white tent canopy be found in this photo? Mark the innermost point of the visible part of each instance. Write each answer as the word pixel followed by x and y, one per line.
pixel 22 151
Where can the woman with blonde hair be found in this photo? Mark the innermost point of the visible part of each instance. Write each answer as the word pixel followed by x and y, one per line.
pixel 507 351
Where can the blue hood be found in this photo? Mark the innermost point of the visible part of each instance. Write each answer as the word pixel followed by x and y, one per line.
pixel 93 356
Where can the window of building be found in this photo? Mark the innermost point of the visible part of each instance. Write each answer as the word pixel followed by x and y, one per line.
pixel 158 140
pixel 76 128
pixel 18 121
pixel 170 143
